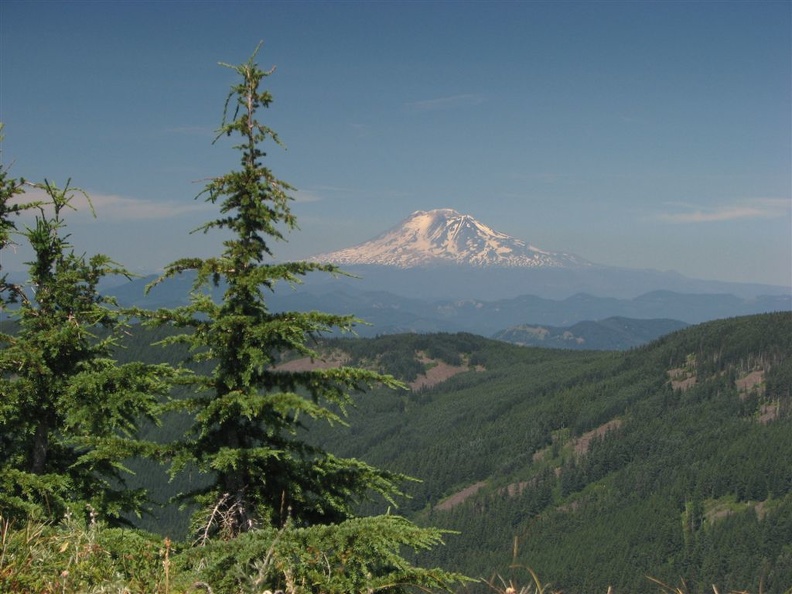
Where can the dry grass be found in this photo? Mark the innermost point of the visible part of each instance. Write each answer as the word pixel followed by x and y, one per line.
pixel 683 589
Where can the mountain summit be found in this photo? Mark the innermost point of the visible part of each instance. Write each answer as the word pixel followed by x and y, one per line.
pixel 444 236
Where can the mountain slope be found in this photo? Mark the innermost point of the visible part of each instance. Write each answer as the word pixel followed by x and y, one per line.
pixel 673 460
pixel 444 236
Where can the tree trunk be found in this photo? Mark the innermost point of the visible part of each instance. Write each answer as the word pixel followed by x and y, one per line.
pixel 40 448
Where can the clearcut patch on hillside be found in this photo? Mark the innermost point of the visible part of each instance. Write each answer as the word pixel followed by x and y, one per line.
pixel 435 370
pixel 769 412
pixel 581 444
pixel 749 382
pixel 682 378
pixel 458 498
pixel 329 361
pixel 719 509
pixel 438 371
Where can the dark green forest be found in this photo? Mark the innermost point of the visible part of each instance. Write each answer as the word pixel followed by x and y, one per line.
pixel 672 460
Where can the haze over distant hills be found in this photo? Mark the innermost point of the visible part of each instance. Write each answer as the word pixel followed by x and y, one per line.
pixel 440 271
pixel 610 334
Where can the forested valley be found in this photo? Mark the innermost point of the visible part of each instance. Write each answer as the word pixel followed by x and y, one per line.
pixel 672 460
pixel 593 469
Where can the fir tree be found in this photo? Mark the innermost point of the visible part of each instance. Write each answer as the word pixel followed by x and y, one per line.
pixel 247 412
pixel 277 512
pixel 69 412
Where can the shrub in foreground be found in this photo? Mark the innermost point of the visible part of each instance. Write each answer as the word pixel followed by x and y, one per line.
pixel 84 556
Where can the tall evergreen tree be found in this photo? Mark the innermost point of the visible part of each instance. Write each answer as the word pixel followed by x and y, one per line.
pixel 69 412
pixel 247 412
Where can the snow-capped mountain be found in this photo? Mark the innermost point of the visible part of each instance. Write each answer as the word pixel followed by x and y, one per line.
pixel 444 236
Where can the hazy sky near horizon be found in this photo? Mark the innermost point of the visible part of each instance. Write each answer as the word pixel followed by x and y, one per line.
pixel 639 134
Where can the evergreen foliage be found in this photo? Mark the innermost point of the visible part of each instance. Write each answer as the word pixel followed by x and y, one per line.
pixel 607 467
pixel 273 509
pixel 69 412
pixel 273 504
pixel 81 556
pixel 246 412
pixel 673 460
pixel 357 555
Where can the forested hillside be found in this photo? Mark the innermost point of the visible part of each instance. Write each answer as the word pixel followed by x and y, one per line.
pixel 673 460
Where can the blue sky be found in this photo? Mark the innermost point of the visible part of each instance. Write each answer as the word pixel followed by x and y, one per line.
pixel 639 134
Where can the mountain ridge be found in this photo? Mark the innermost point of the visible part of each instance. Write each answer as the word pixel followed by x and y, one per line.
pixel 613 333
pixel 387 312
